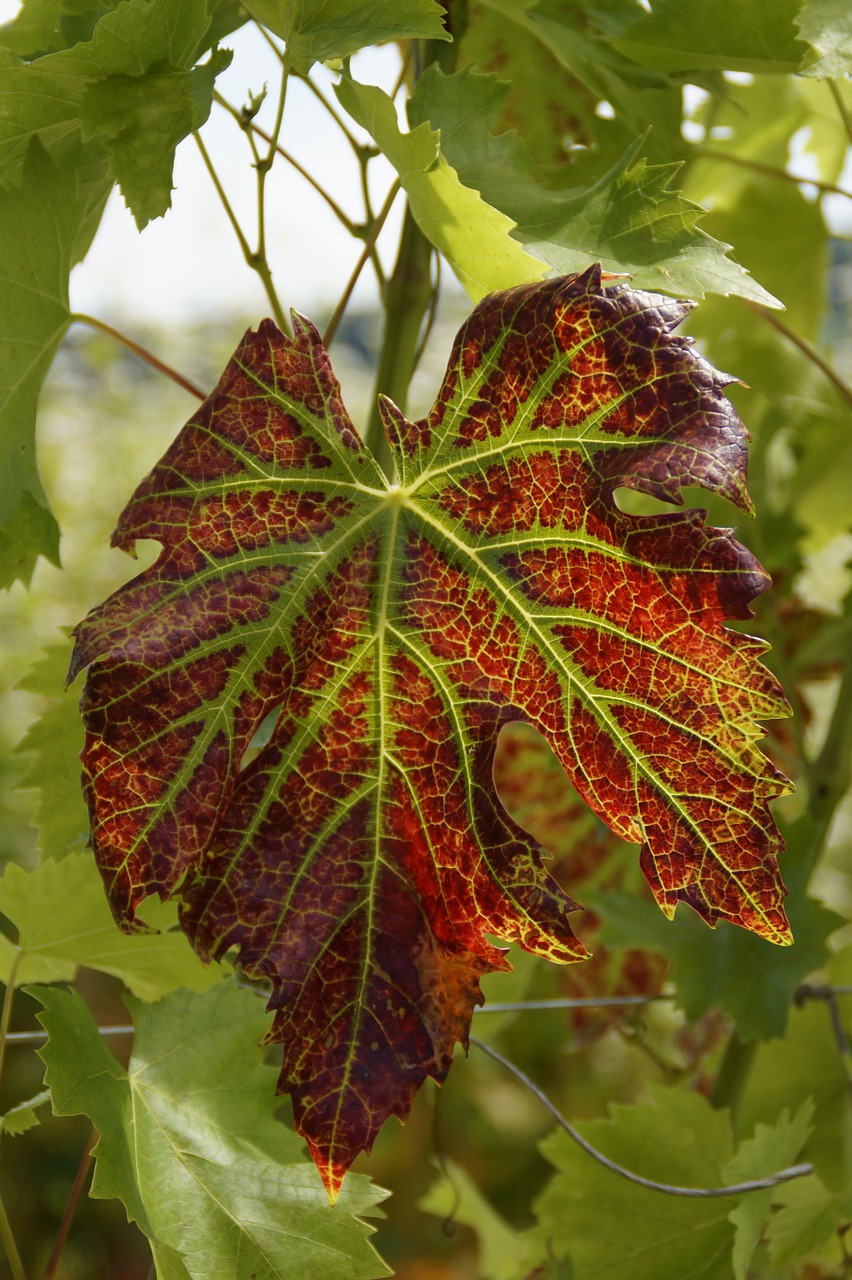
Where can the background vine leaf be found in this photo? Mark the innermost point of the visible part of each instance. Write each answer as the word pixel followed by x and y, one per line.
pixel 217 1184
pixel 359 860
pixel 630 217
pixel 62 921
pixel 757 37
pixel 46 212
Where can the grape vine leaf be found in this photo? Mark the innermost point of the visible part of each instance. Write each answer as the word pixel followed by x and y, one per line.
pixel 809 1216
pixel 22 1117
pixel 631 218
pixel 142 119
pixel 771 1147
pixel 675 1137
pixel 322 30
pixel 472 235
pixel 190 1144
pixel 722 35
pixel 734 971
pixel 825 25
pixel 504 1252
pixel 44 213
pixel 63 921
pixel 360 858
pixel 53 743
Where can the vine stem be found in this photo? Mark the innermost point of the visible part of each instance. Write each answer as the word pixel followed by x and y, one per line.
pixel 805 347
pixel 79 317
pixel 8 1001
pixel 573 1002
pixel 339 213
pixel 70 1207
pixel 258 264
pixel 407 299
pixel 6 1237
pixel 670 1189
pixel 772 171
pixel 366 253
pixel 9 1247
pixel 841 107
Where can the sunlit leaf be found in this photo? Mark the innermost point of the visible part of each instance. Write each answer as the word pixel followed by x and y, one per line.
pixel 217 1184
pixel 362 857
pixel 473 236
pixel 826 27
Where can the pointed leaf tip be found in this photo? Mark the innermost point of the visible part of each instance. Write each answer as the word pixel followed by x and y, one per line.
pixel 361 858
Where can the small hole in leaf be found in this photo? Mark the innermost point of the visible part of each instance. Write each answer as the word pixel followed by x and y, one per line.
pixel 634 503
pixel 262 736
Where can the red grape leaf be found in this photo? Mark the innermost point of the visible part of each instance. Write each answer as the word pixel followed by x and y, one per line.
pixel 360 858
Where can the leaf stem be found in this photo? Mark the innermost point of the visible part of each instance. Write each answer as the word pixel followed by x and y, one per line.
pixel 258 264
pixel 770 170
pixel 338 119
pixel 841 107
pixel 803 346
pixel 407 298
pixel 8 1001
pixel 7 1240
pixel 733 1073
pixel 670 1189
pixel 264 164
pixel 339 213
pixel 366 253
pixel 79 317
pixel 579 1002
pixel 831 772
pixel 70 1207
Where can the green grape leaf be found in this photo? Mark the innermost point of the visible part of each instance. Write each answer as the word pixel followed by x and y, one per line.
pixel 807 1063
pixel 809 1215
pixel 190 1144
pixel 54 742
pixel 142 119
pixel 360 858
pixel 504 1253
pixel 630 219
pixel 322 30
pixel 724 35
pixel 826 27
pixel 609 1228
pixel 63 921
pixel 550 107
pixel 473 237
pixel 22 1117
pixel 772 1147
pixel 733 970
pixel 45 214
pixel 45 98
